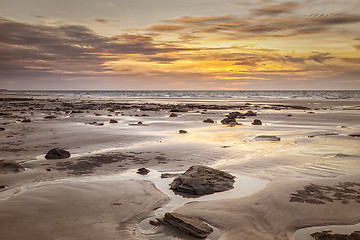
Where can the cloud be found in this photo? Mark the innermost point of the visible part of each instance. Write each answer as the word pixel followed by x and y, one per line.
pixel 69 48
pixel 287 7
pixel 101 20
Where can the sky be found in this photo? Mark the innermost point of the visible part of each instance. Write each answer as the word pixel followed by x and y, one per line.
pixel 180 44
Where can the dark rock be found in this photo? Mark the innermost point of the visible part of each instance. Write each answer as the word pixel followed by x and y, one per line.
pixel 173 115
pixel 187 224
pixel 139 123
pixel 154 222
pixel 235 115
pixel 354 135
pixel 266 138
pixel 10 166
pixel 77 111
pixel 179 110
pixel 228 121
pixel 209 120
pixel 2 129
pixel 143 171
pixel 330 235
pixel 57 153
pixel 170 175
pixel 182 131
pixel 202 180
pixel 256 122
pixel 113 121
pixel 289 115
pixel 2 186
pixel 50 117
pixel 250 113
pixel 97 114
pixel 48 169
pixel 25 120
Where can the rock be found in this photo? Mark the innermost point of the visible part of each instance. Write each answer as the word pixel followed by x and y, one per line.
pixel 179 110
pixel 10 166
pixel 25 120
pixel 250 113
pixel 235 115
pixel 209 120
pixel 97 114
pixel 182 131
pixel 202 180
pixel 187 224
pixel 170 175
pixel 154 222
pixel 266 138
pixel 113 121
pixel 48 169
pixel 57 153
pixel 354 235
pixel 50 117
pixel 139 123
pixel 173 115
pixel 2 129
pixel 143 171
pixel 354 135
pixel 228 121
pixel 330 235
pixel 256 122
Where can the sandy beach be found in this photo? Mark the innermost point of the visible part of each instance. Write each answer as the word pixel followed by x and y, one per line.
pixel 311 175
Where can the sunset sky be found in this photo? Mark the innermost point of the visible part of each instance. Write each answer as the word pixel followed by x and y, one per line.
pixel 179 44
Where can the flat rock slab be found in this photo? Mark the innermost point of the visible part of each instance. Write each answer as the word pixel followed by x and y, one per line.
pixel 267 138
pixel 201 180
pixel 187 224
pixel 330 235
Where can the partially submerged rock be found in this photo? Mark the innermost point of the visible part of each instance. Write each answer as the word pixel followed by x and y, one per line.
pixel 187 224
pixel 173 115
pixel 143 171
pixel 267 138
pixel 256 122
pixel 201 180
pixel 330 235
pixel 57 153
pixel 209 120
pixel 228 120
pixel 113 121
pixel 10 166
pixel 250 113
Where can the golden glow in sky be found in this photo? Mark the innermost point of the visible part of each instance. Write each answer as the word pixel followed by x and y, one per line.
pixel 171 44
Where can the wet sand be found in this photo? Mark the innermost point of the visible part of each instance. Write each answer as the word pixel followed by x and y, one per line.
pixel 50 200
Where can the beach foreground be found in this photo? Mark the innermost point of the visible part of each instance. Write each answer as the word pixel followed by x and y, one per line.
pixel 308 165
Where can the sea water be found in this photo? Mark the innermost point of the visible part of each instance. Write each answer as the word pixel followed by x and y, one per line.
pixel 300 94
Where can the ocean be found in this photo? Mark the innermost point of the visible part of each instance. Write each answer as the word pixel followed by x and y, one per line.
pixel 314 94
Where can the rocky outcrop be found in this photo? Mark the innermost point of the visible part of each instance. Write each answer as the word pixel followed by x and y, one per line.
pixel 57 153
pixel 10 167
pixel 182 131
pixel 187 224
pixel 330 235
pixel 267 138
pixel 201 180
